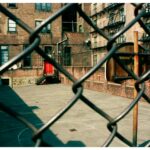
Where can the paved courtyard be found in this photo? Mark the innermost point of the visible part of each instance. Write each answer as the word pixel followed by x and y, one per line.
pixel 80 126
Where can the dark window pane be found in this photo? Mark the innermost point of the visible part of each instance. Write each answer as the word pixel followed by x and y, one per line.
pixel 67 56
pixel 12 5
pixel 48 6
pixel 27 59
pixel 44 29
pixel 43 6
pixel 3 54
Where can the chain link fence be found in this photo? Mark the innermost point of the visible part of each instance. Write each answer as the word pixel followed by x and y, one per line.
pixel 77 87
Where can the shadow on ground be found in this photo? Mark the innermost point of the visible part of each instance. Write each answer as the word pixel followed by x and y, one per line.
pixel 14 133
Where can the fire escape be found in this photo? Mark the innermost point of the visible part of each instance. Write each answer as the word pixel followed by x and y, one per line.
pixel 116 20
pixel 145 37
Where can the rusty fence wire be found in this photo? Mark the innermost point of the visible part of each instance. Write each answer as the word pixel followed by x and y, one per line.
pixel 77 87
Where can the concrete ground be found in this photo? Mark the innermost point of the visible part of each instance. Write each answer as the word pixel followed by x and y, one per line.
pixel 80 126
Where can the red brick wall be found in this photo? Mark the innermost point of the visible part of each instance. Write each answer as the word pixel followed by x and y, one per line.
pixel 27 13
pixel 97 82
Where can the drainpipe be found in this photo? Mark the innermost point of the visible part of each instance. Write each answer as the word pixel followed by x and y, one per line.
pixel 58 47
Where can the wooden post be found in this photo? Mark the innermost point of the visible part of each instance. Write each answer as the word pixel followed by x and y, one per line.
pixel 136 71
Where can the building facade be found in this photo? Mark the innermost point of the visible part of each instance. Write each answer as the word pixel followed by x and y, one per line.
pixel 111 18
pixel 62 39
pixel 73 43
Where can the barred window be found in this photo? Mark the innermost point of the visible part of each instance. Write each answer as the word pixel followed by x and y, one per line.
pixel 4 56
pixel 43 6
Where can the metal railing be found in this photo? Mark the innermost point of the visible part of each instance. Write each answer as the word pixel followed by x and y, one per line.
pixel 77 84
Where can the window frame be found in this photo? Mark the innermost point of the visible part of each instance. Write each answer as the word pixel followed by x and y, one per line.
pixel 46 29
pixel 28 57
pixel 67 56
pixel 42 8
pixel 48 50
pixel 8 26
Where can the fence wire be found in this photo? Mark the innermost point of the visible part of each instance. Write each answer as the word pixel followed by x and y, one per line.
pixel 77 87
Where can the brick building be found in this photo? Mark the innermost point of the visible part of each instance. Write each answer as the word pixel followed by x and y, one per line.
pixel 111 18
pixel 62 39
pixel 66 40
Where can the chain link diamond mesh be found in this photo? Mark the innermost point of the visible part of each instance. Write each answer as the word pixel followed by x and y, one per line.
pixel 77 87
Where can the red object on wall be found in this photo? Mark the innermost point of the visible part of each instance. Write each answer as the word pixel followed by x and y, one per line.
pixel 48 68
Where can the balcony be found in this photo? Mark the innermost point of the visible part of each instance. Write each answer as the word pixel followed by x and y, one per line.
pixel 114 24
pixel 147 10
pixel 98 13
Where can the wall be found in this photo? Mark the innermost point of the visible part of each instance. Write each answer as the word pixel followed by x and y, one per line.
pixel 99 83
pixel 22 77
pixel 16 41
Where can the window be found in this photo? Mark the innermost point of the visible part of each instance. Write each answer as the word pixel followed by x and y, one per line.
pixel 12 5
pixel 103 6
pixel 111 18
pixel 94 60
pixel 121 39
pixel 95 21
pixel 67 56
pixel 45 29
pixel 3 54
pixel 80 28
pixel 121 14
pixel 94 7
pixel 12 27
pixel 95 41
pixel 48 50
pixel 27 59
pixel 43 6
